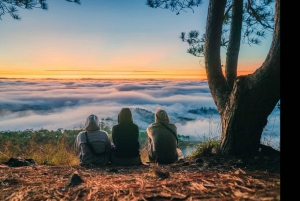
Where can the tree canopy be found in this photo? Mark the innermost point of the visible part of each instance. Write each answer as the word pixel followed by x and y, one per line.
pixel 258 18
pixel 11 6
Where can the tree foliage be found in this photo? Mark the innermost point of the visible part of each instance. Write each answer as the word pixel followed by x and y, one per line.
pixel 258 18
pixel 11 6
pixel 174 5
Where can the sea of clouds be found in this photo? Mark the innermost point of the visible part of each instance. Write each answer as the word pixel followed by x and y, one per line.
pixel 54 104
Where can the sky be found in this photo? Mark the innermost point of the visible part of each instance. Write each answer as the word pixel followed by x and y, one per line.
pixel 54 104
pixel 108 39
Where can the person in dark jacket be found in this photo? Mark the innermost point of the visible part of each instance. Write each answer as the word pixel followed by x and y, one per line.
pixel 125 137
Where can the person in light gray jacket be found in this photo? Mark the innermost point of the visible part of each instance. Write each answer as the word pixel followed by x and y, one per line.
pixel 162 139
pixel 93 144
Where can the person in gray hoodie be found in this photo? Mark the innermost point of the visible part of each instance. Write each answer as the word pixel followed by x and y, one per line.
pixel 162 139
pixel 93 144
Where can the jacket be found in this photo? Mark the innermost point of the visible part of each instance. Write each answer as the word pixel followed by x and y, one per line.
pixel 97 138
pixel 162 144
pixel 125 136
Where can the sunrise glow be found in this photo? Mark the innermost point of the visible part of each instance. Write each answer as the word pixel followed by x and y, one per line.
pixel 73 74
pixel 96 40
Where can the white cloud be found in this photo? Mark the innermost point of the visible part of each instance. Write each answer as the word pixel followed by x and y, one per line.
pixel 53 104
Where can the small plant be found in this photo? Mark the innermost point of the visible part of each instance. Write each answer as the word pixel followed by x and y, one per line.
pixel 207 148
pixel 144 152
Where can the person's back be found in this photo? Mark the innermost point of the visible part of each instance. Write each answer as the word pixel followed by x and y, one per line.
pixel 99 141
pixel 162 139
pixel 125 136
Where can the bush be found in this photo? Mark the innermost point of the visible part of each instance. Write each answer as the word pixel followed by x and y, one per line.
pixel 207 148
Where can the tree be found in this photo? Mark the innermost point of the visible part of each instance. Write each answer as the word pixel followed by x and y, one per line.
pixel 244 102
pixel 10 6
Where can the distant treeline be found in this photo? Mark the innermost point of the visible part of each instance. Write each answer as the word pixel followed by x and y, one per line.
pixel 69 136
pixel 204 110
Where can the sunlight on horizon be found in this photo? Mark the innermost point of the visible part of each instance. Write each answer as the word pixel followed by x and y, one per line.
pixel 99 74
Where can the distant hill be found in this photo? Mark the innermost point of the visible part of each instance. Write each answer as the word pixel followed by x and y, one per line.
pixel 143 117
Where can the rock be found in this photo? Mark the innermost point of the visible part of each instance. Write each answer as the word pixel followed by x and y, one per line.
pixel 199 161
pixel 74 180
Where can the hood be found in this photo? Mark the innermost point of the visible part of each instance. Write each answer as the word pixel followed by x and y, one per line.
pixel 125 115
pixel 161 116
pixel 92 123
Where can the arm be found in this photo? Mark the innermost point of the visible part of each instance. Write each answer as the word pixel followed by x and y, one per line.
pixel 176 134
pixel 149 135
pixel 150 143
pixel 77 144
pixel 137 136
pixel 108 144
pixel 113 135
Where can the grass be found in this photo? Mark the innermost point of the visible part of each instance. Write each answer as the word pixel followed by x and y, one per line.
pixel 57 147
pixel 50 152
pixel 207 148
pixel 53 147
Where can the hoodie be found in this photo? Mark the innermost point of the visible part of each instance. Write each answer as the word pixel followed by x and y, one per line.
pixel 99 140
pixel 162 144
pixel 125 136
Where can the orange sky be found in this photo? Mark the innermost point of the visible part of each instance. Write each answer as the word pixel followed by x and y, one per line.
pixel 66 74
pixel 101 40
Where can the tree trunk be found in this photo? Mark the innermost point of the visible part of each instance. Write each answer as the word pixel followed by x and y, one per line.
pixel 246 116
pixel 218 86
pixel 244 110
pixel 251 102
pixel 233 50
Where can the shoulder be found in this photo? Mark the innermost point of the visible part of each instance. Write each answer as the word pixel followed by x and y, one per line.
pixel 172 125
pixel 103 132
pixel 151 126
pixel 135 125
pixel 80 136
pixel 154 125
pixel 115 126
pixel 80 133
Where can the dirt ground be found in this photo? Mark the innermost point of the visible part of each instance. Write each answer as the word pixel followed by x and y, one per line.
pixel 191 179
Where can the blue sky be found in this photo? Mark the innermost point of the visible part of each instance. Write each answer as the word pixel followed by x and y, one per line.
pixel 107 38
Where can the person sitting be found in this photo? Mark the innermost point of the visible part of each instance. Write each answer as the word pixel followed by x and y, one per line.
pixel 93 144
pixel 125 137
pixel 162 139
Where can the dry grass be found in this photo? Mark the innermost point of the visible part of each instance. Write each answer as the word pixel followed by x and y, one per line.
pixel 56 152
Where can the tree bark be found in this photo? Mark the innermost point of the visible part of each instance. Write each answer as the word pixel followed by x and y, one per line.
pixel 243 109
pixel 233 49
pixel 251 102
pixel 216 80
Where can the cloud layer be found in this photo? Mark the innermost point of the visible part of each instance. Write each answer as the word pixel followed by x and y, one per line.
pixel 53 104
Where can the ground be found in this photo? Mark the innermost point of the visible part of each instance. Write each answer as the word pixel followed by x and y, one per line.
pixel 210 178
